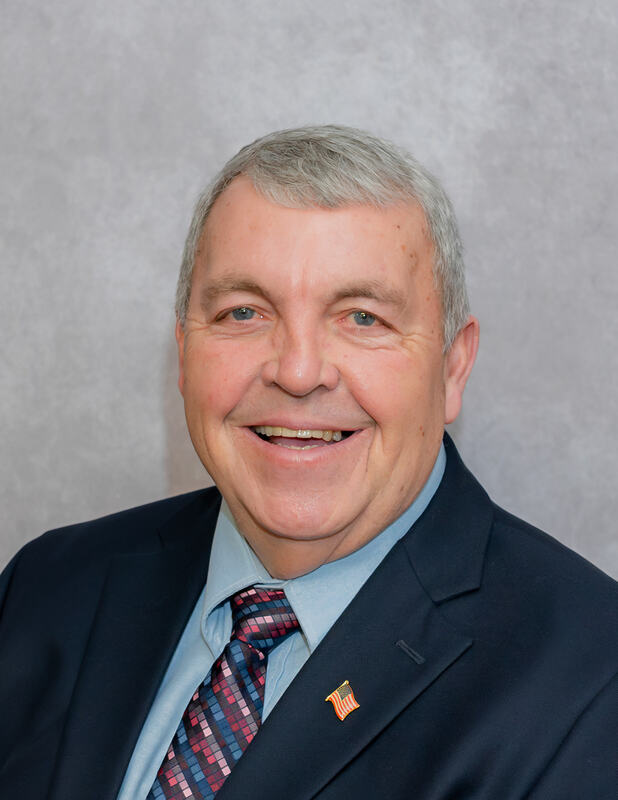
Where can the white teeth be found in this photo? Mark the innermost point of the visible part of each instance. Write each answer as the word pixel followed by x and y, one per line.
pixel 300 433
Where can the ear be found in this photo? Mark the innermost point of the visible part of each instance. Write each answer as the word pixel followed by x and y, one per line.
pixel 180 341
pixel 458 364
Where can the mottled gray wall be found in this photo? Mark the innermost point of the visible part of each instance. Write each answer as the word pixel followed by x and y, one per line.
pixel 115 113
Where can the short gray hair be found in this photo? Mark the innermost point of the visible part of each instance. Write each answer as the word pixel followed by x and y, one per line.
pixel 331 166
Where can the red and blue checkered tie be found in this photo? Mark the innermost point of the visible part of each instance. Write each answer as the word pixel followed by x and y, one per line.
pixel 225 712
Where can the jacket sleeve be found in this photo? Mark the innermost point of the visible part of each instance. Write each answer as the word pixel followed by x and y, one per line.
pixel 586 762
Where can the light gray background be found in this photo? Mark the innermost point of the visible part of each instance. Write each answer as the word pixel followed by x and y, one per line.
pixel 115 113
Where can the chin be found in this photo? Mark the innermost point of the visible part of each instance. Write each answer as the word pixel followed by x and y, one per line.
pixel 300 521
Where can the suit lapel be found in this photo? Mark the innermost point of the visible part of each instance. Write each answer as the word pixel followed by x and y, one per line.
pixel 391 644
pixel 142 611
pixel 310 742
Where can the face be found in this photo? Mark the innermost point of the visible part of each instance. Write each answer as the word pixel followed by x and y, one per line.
pixel 312 369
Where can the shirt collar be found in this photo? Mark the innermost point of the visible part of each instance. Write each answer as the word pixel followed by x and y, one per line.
pixel 319 597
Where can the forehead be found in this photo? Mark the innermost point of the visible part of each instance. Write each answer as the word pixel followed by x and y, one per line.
pixel 245 231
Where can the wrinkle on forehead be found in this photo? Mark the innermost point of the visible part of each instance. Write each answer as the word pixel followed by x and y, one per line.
pixel 407 242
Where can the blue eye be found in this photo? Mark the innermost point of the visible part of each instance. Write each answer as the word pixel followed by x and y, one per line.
pixel 243 313
pixel 364 318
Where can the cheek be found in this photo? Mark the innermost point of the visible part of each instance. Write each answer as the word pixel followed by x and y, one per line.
pixel 215 379
pixel 396 388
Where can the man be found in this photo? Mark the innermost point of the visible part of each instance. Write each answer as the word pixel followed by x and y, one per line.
pixel 355 618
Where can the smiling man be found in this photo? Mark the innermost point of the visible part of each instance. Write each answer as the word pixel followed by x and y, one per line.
pixel 346 614
pixel 313 369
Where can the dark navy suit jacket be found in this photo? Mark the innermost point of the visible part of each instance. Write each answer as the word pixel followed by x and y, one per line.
pixel 482 653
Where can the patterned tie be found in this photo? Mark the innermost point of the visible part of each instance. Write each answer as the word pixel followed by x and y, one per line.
pixel 225 712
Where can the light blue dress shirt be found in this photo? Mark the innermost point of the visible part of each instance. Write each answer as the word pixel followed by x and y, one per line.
pixel 317 598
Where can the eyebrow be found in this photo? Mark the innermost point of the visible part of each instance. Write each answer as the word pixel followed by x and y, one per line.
pixel 369 289
pixel 224 285
pixel 372 290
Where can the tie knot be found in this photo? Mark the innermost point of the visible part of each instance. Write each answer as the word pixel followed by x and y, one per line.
pixel 262 616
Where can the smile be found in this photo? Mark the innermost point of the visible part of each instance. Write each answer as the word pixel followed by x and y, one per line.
pixel 288 437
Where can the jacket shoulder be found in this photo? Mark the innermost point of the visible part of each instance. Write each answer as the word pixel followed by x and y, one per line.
pixel 129 531
pixel 551 598
pixel 538 557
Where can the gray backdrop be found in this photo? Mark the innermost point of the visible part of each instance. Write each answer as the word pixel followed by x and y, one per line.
pixel 115 113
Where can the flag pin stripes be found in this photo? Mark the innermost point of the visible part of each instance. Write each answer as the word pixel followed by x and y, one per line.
pixel 343 700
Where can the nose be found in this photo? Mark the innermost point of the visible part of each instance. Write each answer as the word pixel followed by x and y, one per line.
pixel 299 364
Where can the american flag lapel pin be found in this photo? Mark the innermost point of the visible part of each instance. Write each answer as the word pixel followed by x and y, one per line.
pixel 343 700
